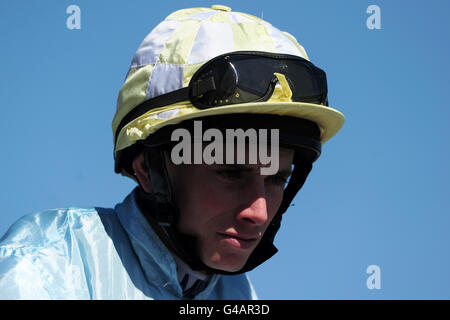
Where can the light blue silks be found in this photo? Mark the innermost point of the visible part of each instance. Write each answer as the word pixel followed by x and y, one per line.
pixel 96 253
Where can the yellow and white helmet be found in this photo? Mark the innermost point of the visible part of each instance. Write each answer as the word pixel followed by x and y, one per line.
pixel 170 55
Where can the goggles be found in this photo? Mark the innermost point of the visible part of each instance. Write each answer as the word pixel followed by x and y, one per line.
pixel 243 77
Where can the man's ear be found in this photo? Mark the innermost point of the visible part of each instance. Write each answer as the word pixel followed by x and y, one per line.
pixel 141 172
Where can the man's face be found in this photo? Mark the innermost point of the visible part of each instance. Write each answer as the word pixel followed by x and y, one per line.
pixel 228 207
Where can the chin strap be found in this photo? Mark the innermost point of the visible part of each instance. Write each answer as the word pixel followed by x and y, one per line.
pixel 164 216
pixel 167 212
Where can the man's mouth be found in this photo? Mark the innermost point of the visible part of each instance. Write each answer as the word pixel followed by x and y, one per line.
pixel 240 241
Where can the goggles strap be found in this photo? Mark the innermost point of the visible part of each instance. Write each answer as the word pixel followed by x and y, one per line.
pixel 153 103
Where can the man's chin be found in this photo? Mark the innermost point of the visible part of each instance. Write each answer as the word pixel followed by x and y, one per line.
pixel 228 268
pixel 227 263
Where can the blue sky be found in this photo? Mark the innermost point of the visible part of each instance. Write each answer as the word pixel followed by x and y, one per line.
pixel 377 196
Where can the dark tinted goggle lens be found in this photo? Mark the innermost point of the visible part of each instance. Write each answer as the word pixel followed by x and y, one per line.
pixel 215 84
pixel 249 77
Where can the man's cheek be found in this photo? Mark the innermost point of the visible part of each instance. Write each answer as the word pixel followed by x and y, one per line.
pixel 273 204
pixel 214 198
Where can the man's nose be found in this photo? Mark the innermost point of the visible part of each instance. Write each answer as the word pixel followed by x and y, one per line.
pixel 255 212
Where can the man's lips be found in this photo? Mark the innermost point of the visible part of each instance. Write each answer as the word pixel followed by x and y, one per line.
pixel 240 241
